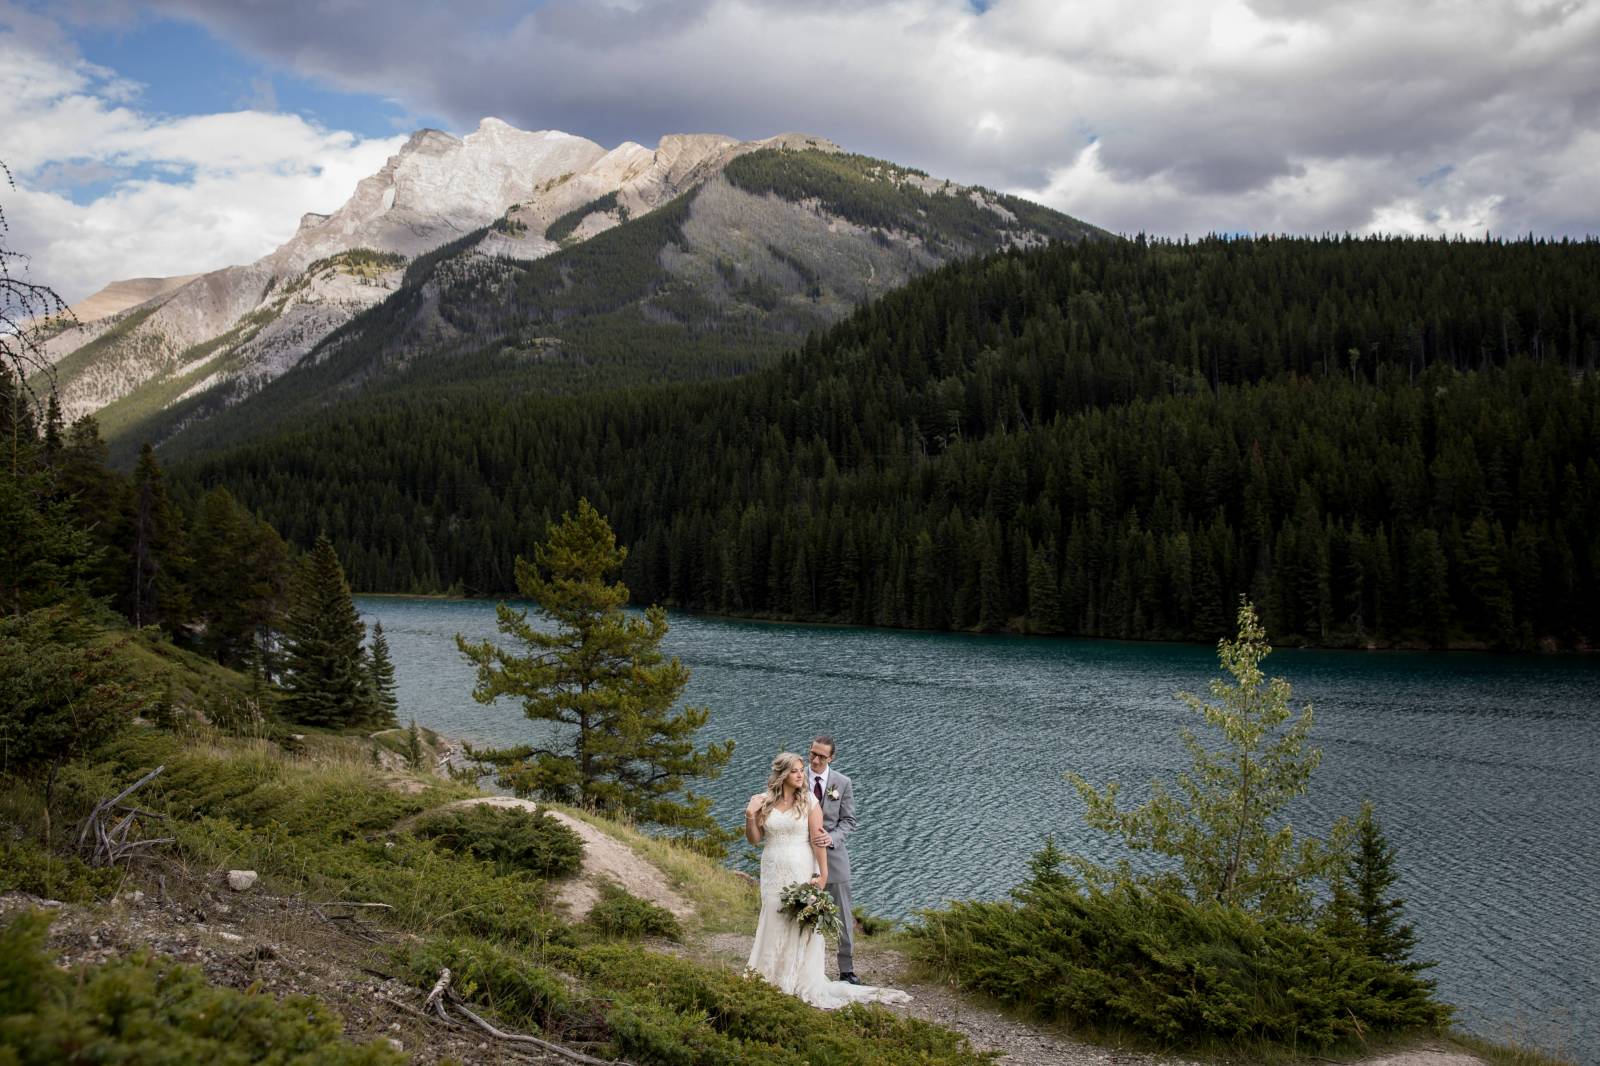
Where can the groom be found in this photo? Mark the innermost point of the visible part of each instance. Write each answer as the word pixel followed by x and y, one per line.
pixel 832 790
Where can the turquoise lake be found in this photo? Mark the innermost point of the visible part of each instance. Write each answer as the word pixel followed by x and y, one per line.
pixel 1483 768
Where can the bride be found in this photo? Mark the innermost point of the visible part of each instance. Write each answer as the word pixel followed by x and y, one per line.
pixel 786 953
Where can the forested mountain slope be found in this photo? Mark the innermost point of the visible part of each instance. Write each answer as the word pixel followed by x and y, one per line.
pixel 1380 440
pixel 767 242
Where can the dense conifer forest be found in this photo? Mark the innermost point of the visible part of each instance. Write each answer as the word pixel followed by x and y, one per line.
pixel 1377 440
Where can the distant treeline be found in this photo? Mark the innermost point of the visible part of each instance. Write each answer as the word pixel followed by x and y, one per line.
pixel 1385 440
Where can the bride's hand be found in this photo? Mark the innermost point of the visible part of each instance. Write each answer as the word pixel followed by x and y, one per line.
pixel 820 881
pixel 754 806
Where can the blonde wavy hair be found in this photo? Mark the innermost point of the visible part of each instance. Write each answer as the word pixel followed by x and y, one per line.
pixel 782 763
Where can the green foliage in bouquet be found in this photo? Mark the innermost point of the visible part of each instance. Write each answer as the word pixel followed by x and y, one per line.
pixel 810 905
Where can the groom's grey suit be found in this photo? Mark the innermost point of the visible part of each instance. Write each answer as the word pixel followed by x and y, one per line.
pixel 839 819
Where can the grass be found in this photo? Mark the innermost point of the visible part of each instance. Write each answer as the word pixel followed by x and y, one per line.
pixel 396 741
pixel 193 682
pixel 1515 1050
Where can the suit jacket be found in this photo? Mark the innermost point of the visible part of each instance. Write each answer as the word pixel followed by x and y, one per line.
pixel 839 819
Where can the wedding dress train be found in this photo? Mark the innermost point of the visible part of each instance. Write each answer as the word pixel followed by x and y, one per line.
pixel 786 953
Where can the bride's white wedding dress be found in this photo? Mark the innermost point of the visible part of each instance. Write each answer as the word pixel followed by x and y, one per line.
pixel 786 953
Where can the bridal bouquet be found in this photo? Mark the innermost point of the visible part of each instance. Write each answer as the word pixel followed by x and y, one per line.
pixel 810 905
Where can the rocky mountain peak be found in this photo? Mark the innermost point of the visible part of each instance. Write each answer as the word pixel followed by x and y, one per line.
pixel 527 194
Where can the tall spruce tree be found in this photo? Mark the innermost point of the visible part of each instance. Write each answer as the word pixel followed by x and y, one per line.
pixel 157 552
pixel 600 674
pixel 325 682
pixel 1361 910
pixel 98 497
pixel 383 705
pixel 240 572
pixel 1222 824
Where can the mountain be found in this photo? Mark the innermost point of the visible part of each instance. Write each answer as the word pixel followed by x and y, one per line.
pixel 1379 441
pixel 482 247
pixel 121 295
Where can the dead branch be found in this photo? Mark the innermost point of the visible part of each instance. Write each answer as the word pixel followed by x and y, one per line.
pixel 441 992
pixel 112 844
pixel 437 992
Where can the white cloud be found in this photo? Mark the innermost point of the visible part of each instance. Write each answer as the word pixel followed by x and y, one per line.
pixel 182 194
pixel 1209 114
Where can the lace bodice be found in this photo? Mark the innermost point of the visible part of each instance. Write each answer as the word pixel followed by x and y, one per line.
pixel 786 855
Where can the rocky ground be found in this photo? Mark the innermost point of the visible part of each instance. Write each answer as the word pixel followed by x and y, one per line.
pixel 279 946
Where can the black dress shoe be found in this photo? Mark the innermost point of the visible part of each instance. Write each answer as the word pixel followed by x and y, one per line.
pixel 850 977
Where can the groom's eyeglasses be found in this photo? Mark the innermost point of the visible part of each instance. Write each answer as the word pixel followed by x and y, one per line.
pixel 820 755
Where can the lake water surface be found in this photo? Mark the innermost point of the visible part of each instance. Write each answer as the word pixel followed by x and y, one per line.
pixel 1483 768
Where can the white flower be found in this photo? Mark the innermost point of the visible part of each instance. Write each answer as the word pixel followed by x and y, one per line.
pixel 833 793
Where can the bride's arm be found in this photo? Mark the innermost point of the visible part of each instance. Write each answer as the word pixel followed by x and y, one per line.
pixel 818 852
pixel 752 831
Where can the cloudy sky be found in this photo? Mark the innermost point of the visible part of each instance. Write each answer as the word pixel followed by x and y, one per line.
pixel 171 136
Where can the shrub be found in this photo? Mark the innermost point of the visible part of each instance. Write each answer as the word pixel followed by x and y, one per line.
pixel 620 914
pixel 657 999
pixel 316 828
pixel 26 867
pixel 254 784
pixel 58 697
pixel 1152 960
pixel 141 1009
pixel 872 924
pixel 510 839
pixel 503 980
pixel 429 891
pixel 646 1031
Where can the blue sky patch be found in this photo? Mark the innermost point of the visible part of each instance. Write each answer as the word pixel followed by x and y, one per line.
pixel 1437 174
pixel 185 70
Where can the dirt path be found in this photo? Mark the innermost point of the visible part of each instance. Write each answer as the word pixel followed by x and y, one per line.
pixel 605 858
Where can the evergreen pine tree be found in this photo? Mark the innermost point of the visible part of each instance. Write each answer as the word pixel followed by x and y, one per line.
pixel 325 680
pixel 1377 915
pixel 380 683
pixel 413 747
pixel 1044 597
pixel 157 595
pixel 601 674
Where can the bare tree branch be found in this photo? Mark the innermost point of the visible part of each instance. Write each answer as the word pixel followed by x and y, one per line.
pixel 28 311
